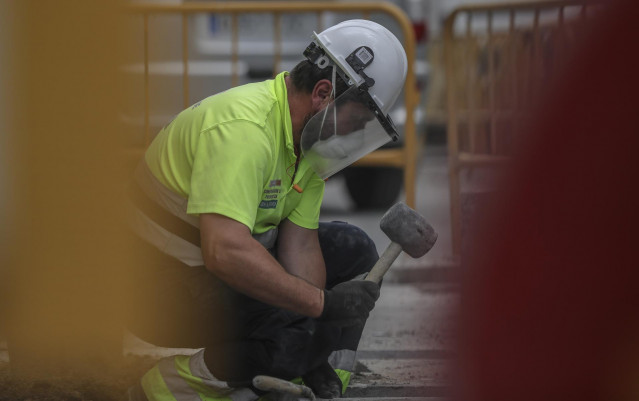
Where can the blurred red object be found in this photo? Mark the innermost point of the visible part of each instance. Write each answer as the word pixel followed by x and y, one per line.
pixel 421 31
pixel 551 296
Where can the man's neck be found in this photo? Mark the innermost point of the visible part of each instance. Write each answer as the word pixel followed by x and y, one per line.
pixel 299 105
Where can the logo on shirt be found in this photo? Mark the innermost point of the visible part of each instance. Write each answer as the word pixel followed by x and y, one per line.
pixel 271 195
pixel 272 204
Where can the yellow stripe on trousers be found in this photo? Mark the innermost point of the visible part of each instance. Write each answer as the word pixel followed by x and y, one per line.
pixel 186 378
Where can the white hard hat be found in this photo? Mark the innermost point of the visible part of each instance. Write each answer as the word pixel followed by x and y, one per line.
pixel 367 42
pixel 372 62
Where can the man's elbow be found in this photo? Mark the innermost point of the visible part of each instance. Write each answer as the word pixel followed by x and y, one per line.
pixel 217 259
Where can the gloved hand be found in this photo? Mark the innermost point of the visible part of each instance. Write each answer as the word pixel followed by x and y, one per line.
pixel 350 302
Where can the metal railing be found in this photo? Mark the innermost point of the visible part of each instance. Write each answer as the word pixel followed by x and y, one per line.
pixel 498 59
pixel 404 157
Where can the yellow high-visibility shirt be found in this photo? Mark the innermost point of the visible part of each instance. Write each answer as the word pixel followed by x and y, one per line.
pixel 232 154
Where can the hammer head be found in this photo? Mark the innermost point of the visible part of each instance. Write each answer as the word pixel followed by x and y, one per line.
pixel 409 229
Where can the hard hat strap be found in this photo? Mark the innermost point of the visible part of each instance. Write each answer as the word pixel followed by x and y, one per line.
pixel 333 76
pixel 333 95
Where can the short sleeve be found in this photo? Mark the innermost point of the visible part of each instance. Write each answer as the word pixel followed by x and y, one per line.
pixel 229 168
pixel 306 213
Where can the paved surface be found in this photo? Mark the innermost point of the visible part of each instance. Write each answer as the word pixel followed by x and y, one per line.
pixel 406 345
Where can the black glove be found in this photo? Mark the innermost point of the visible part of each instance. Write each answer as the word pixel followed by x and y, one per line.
pixel 350 302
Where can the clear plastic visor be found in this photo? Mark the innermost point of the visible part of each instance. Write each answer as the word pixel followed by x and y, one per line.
pixel 346 130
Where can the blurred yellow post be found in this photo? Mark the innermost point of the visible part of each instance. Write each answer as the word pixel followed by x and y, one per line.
pixel 65 245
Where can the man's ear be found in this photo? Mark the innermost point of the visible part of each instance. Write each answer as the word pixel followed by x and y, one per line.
pixel 321 95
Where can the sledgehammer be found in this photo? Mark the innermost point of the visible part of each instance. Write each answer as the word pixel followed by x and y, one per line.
pixel 408 231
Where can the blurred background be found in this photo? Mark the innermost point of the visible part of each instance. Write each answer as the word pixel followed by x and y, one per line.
pixel 85 87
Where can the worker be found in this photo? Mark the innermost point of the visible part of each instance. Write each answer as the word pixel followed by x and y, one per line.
pixel 226 206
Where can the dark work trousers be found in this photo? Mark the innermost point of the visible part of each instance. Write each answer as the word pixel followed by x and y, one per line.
pixel 175 305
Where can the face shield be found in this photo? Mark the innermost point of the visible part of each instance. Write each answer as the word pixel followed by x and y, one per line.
pixel 347 129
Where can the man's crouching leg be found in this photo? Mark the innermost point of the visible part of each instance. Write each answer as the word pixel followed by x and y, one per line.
pixel 349 253
pixel 300 347
pixel 275 342
pixel 288 346
pixel 184 377
pixel 281 344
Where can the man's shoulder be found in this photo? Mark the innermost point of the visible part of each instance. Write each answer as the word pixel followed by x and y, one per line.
pixel 253 102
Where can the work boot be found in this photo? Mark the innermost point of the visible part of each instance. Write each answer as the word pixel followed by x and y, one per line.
pixel 324 381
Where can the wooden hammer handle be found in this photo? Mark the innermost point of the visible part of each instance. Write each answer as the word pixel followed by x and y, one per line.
pixel 384 263
pixel 270 383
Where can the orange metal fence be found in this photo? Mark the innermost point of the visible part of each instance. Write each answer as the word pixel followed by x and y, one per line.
pixel 498 57
pixel 404 157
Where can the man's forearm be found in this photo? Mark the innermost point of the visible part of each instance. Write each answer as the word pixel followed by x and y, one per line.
pixel 300 254
pixel 307 266
pixel 240 261
pixel 257 274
